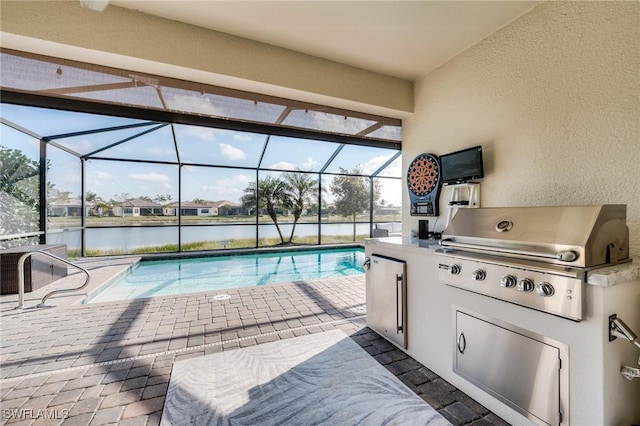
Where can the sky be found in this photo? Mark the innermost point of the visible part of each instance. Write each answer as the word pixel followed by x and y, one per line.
pixel 197 145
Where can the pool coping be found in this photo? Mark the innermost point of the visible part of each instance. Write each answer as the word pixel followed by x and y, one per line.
pixel 102 271
pixel 199 255
pixel 105 270
pixel 244 251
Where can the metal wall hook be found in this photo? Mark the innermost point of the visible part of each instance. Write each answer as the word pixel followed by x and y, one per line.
pixel 618 328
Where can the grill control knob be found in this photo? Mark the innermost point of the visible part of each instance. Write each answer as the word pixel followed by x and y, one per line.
pixel 454 269
pixel 525 284
pixel 545 289
pixel 478 275
pixel 508 281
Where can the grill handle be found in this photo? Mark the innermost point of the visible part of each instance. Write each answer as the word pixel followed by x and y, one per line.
pixel 484 249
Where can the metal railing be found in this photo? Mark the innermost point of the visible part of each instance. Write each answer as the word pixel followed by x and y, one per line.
pixel 21 261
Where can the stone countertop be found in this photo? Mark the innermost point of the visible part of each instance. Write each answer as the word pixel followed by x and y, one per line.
pixel 603 277
pixel 616 274
pixel 409 243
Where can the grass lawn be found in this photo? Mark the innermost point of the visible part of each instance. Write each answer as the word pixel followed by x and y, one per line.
pixel 216 245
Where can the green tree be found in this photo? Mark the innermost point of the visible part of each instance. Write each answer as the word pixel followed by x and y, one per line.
pixel 100 207
pixel 91 197
pixel 352 194
pixel 103 208
pixel 269 194
pixel 19 193
pixel 121 198
pixel 162 198
pixel 19 176
pixel 302 190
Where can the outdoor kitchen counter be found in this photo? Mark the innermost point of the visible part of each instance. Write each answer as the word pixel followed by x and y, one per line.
pixel 616 274
pixel 603 277
pixel 405 243
pixel 598 393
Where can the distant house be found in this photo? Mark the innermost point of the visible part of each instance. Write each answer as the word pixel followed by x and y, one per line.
pixel 70 207
pixel 138 207
pixel 190 208
pixel 228 208
pixel 328 211
pixel 388 210
pixel 205 208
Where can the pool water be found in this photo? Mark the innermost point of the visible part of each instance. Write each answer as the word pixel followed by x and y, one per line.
pixel 180 276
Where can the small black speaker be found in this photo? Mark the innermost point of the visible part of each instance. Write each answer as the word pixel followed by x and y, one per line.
pixel 423 229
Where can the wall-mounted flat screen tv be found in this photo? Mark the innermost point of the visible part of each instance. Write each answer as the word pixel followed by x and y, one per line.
pixel 462 166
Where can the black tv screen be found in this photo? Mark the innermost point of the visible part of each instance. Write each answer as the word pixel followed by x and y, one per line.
pixel 462 166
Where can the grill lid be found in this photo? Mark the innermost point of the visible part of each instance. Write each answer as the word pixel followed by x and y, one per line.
pixel 579 236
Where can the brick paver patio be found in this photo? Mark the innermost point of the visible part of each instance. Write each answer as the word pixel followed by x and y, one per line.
pixel 110 363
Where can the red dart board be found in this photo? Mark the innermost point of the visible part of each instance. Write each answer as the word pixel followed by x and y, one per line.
pixel 423 174
pixel 423 181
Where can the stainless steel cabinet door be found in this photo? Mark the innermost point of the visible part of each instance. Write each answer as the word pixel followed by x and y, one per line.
pixel 521 371
pixel 387 299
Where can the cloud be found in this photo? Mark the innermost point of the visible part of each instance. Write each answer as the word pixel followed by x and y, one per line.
pixel 394 169
pixel 211 135
pixel 98 178
pixel 249 137
pixel 333 122
pixel 232 153
pixel 375 163
pixel 195 103
pixel 388 132
pixel 309 164
pixel 283 165
pixel 152 177
pixel 229 188
pixel 391 196
pixel 202 133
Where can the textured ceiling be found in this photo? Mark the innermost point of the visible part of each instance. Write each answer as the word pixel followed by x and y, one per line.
pixel 404 39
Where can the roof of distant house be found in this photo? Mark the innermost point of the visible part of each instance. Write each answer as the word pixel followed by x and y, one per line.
pixel 138 202
pixel 224 203
pixel 72 202
pixel 204 204
pixel 189 205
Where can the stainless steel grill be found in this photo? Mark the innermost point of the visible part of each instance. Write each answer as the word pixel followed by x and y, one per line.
pixel 537 257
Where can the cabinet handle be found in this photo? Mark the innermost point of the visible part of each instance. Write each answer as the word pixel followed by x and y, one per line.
pixel 399 304
pixel 462 343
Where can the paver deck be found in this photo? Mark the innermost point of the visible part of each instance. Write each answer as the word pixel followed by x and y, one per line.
pixel 110 363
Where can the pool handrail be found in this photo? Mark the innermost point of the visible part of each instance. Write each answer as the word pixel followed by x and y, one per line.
pixel 23 259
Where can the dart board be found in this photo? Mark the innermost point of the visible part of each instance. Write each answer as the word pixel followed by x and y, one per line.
pixel 423 182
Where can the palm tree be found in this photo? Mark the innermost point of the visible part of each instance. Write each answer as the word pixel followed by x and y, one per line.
pixel 301 188
pixel 99 206
pixel 268 194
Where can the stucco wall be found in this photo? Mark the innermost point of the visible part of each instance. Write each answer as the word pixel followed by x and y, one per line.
pixel 554 99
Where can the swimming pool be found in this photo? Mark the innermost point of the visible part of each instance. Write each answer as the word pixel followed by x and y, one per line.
pixel 188 275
